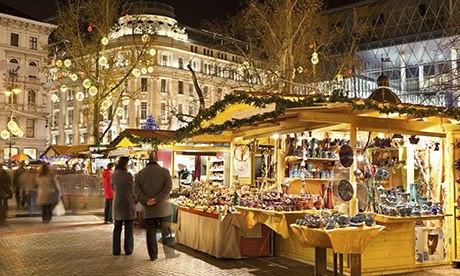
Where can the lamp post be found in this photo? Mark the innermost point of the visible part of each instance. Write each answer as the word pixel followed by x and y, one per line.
pixel 12 127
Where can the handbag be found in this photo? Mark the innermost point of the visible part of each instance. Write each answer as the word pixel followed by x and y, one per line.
pixel 59 210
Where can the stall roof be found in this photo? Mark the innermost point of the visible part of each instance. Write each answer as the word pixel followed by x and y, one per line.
pixel 132 137
pixel 252 115
pixel 70 151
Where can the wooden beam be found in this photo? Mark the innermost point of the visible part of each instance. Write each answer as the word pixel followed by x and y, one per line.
pixel 369 122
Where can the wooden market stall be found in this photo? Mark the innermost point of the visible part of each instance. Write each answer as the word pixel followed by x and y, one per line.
pixel 421 150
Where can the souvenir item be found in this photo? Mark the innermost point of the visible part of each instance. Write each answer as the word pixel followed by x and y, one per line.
pixel 345 190
pixel 346 156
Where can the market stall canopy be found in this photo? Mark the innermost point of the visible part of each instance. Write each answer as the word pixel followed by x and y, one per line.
pixel 135 137
pixel 271 113
pixel 65 151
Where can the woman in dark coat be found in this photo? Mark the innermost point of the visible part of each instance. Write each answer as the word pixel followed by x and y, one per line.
pixel 124 209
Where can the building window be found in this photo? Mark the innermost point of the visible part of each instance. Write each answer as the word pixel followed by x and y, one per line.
pixel 191 90
pixel 180 111
pixel 14 39
pixel 70 95
pixel 163 86
pixel 205 91
pixel 33 43
pixel 194 65
pixel 70 117
pixel 7 154
pixel 13 97
pixel 14 61
pixel 143 84
pixel 56 119
pixel 125 112
pixel 163 111
pixel 69 139
pixel 143 110
pixel 83 138
pixel 165 60
pixel 33 69
pixel 180 87
pixel 191 109
pixel 31 152
pixel 30 128
pixel 31 98
pixel 55 139
pixel 181 63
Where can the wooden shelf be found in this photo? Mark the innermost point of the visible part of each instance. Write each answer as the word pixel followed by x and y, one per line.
pixel 392 219
pixel 310 179
pixel 296 159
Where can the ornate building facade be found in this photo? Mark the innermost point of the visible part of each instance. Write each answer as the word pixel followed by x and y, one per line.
pixel 22 53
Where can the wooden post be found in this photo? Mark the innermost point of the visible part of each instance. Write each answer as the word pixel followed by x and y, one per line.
pixel 340 264
pixel 253 161
pixel 320 261
pixel 231 161
pixel 280 163
pixel 410 164
pixel 353 140
pixel 355 264
pixel 335 263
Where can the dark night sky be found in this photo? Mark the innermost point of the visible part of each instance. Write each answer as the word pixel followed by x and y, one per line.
pixel 189 12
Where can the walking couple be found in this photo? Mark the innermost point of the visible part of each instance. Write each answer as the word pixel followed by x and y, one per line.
pixel 151 188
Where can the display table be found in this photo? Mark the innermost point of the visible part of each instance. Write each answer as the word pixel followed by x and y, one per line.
pixel 277 221
pixel 349 240
pixel 220 236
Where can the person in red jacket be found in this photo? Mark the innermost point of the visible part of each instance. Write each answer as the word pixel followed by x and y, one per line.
pixel 108 193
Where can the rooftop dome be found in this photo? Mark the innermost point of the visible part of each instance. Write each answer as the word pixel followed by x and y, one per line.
pixel 383 91
pixel 150 7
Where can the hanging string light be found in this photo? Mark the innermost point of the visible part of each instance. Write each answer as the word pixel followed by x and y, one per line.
pixel 58 63
pixel 86 83
pixel 152 51
pixel 136 72
pixel 92 91
pixel 103 61
pixel 314 58
pixel 67 63
pixel 54 98
pixel 125 101
pixel 105 41
pixel 119 111
pixel 144 70
pixel 64 88
pixel 80 96
pixel 5 134
pixel 73 77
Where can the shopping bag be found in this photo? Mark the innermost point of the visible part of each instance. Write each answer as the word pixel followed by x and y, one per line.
pixel 59 209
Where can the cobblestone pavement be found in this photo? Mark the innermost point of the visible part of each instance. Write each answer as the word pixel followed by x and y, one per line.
pixel 81 245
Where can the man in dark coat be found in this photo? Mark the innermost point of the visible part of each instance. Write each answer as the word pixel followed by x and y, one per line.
pixel 20 202
pixel 152 186
pixel 5 192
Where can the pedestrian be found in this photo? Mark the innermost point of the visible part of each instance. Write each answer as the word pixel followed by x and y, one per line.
pixel 20 202
pixel 28 181
pixel 108 193
pixel 124 209
pixel 49 192
pixel 152 187
pixel 5 192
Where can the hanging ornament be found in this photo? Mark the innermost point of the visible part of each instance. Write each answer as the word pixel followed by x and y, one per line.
pixel 103 61
pixel 152 52
pixel 339 78
pixel 5 134
pixel 80 96
pixel 86 83
pixel 54 98
pixel 125 101
pixel 105 40
pixel 120 111
pixel 136 72
pixel 246 63
pixel 314 58
pixel 12 125
pixel 109 97
pixel 20 133
pixel 144 70
pixel 15 131
pixel 90 28
pixel 58 63
pixel 92 91
pixel 105 104
pixel 67 63
pixel 145 38
pixel 300 69
pixel 137 102
pixel 73 77
pixel 150 69
pixel 64 88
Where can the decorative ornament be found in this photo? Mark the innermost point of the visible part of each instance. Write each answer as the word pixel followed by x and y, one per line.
pixel 346 156
pixel 246 63
pixel 150 69
pixel 67 63
pixel 5 134
pixel 125 101
pixel 119 111
pixel 314 58
pixel 136 72
pixel 90 28
pixel 12 125
pixel 54 98
pixel 137 102
pixel 80 96
pixel 92 91
pixel 20 133
pixel 87 83
pixel 300 69
pixel 144 70
pixel 15 131
pixel 58 63
pixel 103 61
pixel 345 190
pixel 105 40
pixel 360 102
pixel 339 78
pixel 106 103
pixel 73 77
pixel 152 52
pixel 63 88
pixel 145 38
pixel 151 123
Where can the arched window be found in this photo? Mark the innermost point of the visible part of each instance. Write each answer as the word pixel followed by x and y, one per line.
pixel 33 69
pixel 32 63
pixel 31 98
pixel 13 60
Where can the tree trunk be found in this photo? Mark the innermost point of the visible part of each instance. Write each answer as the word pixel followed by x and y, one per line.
pixel 96 137
pixel 197 87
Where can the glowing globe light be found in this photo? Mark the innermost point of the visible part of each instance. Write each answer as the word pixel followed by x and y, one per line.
pixel 73 77
pixel 67 63
pixel 120 111
pixel 54 98
pixel 105 40
pixel 103 61
pixel 20 133
pixel 86 83
pixel 144 70
pixel 92 91
pixel 152 52
pixel 64 88
pixel 136 72
pixel 5 134
pixel 150 69
pixel 314 58
pixel 58 63
pixel 12 126
pixel 145 38
pixel 80 96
